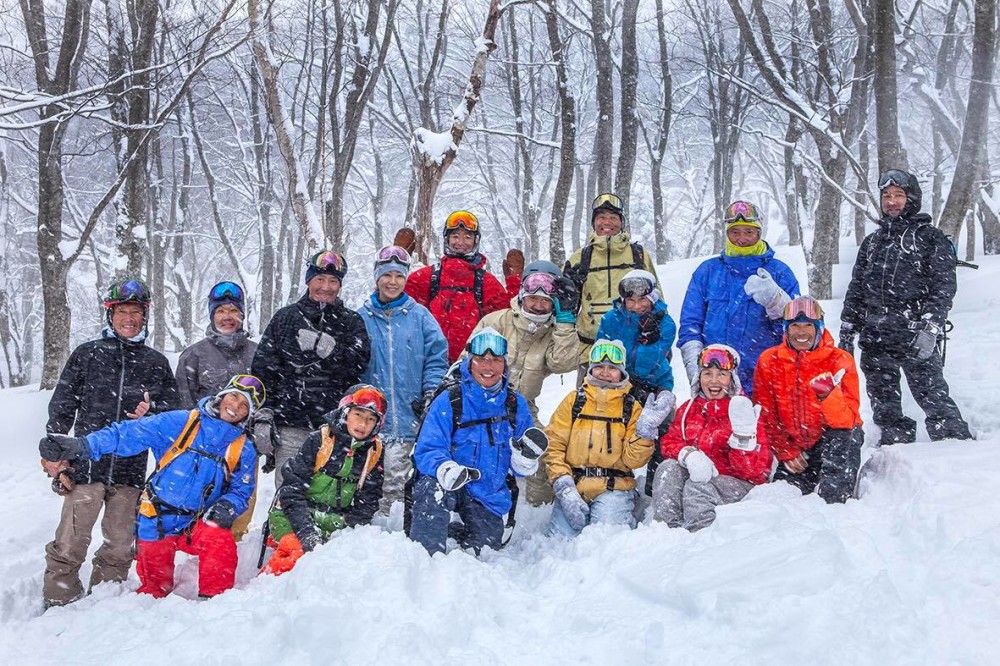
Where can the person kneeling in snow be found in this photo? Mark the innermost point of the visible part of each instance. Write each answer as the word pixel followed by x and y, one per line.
pixel 473 434
pixel 204 476
pixel 810 405
pixel 598 435
pixel 715 450
pixel 333 482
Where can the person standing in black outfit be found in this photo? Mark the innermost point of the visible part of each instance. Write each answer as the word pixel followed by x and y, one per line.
pixel 105 380
pixel 897 303
pixel 310 354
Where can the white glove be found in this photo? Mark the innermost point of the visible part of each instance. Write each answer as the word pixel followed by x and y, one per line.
pixel 321 343
pixel 700 467
pixel 453 476
pixel 574 508
pixel 743 416
pixel 690 351
pixel 654 413
pixel 765 291
pixel 525 451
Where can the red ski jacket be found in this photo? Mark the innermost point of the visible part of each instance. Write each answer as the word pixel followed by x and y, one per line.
pixel 454 305
pixel 704 424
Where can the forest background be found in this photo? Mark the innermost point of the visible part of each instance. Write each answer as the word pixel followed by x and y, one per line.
pixel 187 142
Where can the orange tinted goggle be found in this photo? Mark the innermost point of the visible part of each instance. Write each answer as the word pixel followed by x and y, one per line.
pixel 720 358
pixel 366 398
pixel 463 219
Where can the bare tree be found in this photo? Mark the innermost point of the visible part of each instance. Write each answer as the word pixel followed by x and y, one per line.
pixel 883 28
pixel 567 144
pixel 629 84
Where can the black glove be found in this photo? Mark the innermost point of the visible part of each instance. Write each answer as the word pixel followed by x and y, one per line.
pixel 846 341
pixel 531 444
pixel 649 329
pixel 567 294
pixel 222 513
pixel 61 447
pixel 925 340
pixel 269 464
pixel 421 404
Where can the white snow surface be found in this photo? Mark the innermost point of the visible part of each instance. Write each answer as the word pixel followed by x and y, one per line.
pixel 910 574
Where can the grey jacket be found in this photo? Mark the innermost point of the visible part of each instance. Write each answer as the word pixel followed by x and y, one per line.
pixel 205 367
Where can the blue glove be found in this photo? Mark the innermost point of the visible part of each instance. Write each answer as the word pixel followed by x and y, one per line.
pixel 566 301
pixel 573 506
pixel 562 316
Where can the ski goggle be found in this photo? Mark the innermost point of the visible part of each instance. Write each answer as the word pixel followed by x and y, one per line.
pixel 635 287
pixel 463 219
pixel 539 282
pixel 607 352
pixel 393 254
pixel 484 342
pixel 608 200
pixel 803 306
pixel 366 397
pixel 250 385
pixel 893 177
pixel 328 260
pixel 226 290
pixel 742 211
pixel 720 358
pixel 126 291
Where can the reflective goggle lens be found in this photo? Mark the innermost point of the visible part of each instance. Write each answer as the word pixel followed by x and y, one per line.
pixel 608 200
pixel 741 211
pixel 537 282
pixel 393 254
pixel 720 358
pixel 253 385
pixel 129 290
pixel 366 398
pixel 607 352
pixel 635 286
pixel 893 177
pixel 488 342
pixel 462 218
pixel 328 259
pixel 226 290
pixel 803 307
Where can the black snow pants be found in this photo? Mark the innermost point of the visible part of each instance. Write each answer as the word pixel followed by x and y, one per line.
pixel 926 380
pixel 833 466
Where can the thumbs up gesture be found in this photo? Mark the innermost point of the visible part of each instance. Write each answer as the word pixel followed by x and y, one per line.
pixel 823 384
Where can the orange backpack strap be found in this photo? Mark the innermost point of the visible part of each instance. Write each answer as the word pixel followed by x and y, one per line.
pixel 233 453
pixel 182 442
pixel 371 460
pixel 325 448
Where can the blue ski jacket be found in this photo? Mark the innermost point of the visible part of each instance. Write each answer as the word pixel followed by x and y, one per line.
pixel 483 445
pixel 648 366
pixel 717 309
pixel 409 357
pixel 194 480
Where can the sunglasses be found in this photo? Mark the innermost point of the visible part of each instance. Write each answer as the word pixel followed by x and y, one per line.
pixel 463 219
pixel 367 397
pixel 539 282
pixel 226 290
pixel 803 306
pixel 741 211
pixel 607 352
pixel 251 385
pixel 608 200
pixel 893 177
pixel 328 259
pixel 720 358
pixel 487 342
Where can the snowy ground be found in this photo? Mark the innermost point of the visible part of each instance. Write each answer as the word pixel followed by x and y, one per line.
pixel 908 575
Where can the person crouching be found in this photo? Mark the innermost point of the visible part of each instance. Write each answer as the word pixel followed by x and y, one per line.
pixel 204 476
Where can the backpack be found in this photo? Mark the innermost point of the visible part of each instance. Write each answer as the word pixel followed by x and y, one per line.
pixel 150 506
pixel 628 404
pixel 583 269
pixel 326 452
pixel 476 288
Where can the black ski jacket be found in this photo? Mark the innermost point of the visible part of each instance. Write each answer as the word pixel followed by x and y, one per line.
pixel 301 386
pixel 102 381
pixel 904 271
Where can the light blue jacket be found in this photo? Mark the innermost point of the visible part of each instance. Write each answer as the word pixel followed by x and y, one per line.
pixel 409 356
pixel 648 366
pixel 484 445
pixel 194 480
pixel 717 309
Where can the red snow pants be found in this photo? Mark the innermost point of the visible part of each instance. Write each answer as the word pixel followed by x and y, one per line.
pixel 216 552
